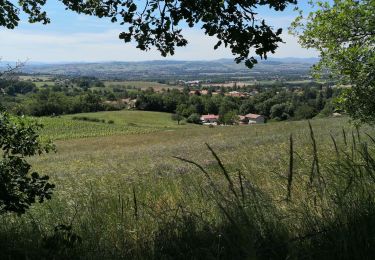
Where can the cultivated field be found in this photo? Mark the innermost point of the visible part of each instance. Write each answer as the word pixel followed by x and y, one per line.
pixel 139 84
pixel 124 122
pixel 123 191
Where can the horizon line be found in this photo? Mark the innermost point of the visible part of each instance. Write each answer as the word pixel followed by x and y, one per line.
pixel 150 60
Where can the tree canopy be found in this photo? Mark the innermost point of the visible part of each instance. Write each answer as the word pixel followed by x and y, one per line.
pixel 344 34
pixel 159 23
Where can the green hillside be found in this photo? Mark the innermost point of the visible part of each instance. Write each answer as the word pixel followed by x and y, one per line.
pixel 124 122
pixel 122 189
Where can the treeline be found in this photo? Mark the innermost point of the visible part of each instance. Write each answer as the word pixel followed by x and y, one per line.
pixel 24 98
pixel 47 102
pixel 85 94
pixel 12 88
pixel 274 103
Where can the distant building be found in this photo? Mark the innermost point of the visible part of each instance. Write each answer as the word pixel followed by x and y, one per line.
pixel 251 119
pixel 131 103
pixel 242 120
pixel 198 92
pixel 237 94
pixel 192 83
pixel 209 119
pixel 194 92
pixel 336 114
pixel 255 119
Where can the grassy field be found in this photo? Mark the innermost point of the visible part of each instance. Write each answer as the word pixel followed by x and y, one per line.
pixel 241 83
pixel 36 78
pixel 42 80
pixel 126 195
pixel 139 84
pixel 124 122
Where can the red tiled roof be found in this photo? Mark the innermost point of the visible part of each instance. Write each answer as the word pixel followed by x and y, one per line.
pixel 206 117
pixel 252 116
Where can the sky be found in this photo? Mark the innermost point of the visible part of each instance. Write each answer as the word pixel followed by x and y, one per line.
pixel 72 37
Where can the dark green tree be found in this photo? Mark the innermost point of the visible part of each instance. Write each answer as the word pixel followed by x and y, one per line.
pixel 194 119
pixel 343 31
pixel 247 107
pixel 229 118
pixel 235 23
pixel 305 112
pixel 320 102
pixel 19 186
pixel 177 117
pixel 280 111
pixel 91 102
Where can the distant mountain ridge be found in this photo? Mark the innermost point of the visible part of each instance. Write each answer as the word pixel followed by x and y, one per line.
pixel 173 69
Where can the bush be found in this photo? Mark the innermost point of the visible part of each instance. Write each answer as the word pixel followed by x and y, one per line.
pixel 280 111
pixel 328 109
pixel 177 117
pixel 194 119
pixel 305 112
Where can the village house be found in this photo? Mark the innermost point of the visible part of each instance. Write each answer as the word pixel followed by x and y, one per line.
pixel 237 94
pixel 209 119
pixel 251 119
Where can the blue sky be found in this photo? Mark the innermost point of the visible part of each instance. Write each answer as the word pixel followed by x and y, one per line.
pixel 73 37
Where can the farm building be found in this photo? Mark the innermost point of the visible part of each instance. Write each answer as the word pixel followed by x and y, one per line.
pixel 251 119
pixel 255 119
pixel 209 119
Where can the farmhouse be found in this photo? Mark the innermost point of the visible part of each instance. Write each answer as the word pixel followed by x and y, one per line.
pixel 255 119
pixel 209 119
pixel 251 119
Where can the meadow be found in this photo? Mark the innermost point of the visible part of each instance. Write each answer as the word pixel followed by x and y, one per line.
pixel 124 123
pixel 135 189
pixel 139 84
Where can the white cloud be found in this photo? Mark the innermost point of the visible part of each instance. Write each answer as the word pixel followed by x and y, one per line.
pixel 291 48
pixel 52 47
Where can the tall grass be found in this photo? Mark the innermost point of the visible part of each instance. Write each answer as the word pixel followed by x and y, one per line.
pixel 321 207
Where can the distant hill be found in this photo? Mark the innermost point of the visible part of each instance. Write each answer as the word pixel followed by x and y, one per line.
pixel 175 69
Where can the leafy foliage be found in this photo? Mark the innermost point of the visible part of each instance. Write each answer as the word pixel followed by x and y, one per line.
pixel 177 117
pixel 344 35
pixel 194 118
pixel 18 188
pixel 275 103
pixel 16 87
pixel 159 22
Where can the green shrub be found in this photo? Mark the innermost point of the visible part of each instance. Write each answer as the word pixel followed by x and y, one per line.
pixel 88 119
pixel 194 119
